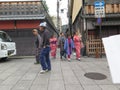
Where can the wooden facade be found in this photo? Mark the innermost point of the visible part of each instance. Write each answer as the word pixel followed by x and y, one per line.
pixel 20 15
pixel 109 8
pixel 87 24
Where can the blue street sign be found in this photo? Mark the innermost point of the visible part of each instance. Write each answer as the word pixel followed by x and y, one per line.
pixel 99 9
pixel 99 4
pixel 99 21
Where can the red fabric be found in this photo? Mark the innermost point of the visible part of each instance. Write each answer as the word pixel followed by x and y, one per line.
pixel 53 46
pixel 68 56
pixel 77 42
pixel 69 40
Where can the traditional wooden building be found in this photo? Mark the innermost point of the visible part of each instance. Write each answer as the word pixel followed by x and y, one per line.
pixel 86 22
pixel 19 17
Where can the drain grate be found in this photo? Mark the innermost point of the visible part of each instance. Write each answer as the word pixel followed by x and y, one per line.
pixel 95 76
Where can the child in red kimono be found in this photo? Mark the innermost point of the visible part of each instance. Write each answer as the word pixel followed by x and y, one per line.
pixel 77 43
pixel 53 46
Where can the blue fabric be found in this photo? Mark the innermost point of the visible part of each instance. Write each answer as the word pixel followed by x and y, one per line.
pixel 66 46
pixel 45 58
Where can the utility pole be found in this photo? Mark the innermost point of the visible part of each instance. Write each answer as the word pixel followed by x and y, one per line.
pixel 69 18
pixel 58 18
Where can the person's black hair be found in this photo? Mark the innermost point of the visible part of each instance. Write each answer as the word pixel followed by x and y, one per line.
pixel 67 35
pixel 52 35
pixel 61 33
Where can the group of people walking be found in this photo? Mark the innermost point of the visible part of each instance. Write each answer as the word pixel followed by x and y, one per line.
pixel 46 46
pixel 66 45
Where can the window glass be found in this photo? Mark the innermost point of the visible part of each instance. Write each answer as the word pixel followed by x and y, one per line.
pixel 4 37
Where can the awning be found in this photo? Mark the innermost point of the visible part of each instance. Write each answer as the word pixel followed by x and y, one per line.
pixel 108 23
pixel 22 17
pixel 89 16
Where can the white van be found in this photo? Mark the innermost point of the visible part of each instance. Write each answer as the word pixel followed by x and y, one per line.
pixel 7 46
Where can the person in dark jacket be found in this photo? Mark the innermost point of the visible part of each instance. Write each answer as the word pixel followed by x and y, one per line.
pixel 61 42
pixel 44 57
pixel 38 42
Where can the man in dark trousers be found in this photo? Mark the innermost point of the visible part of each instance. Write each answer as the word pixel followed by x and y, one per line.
pixel 38 42
pixel 44 57
pixel 61 42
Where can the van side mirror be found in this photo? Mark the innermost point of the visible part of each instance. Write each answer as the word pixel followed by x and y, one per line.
pixel 11 40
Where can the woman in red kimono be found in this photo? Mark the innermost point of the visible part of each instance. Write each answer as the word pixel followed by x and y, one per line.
pixel 53 46
pixel 77 43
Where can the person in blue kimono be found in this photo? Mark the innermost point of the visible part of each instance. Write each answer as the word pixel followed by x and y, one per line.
pixel 69 46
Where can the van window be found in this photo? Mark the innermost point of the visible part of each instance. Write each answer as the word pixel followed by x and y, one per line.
pixel 4 37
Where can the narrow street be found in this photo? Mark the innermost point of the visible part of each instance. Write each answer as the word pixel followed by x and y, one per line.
pixel 21 74
pixel 29 29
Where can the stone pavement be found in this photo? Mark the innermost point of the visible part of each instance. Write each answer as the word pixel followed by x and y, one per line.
pixel 22 74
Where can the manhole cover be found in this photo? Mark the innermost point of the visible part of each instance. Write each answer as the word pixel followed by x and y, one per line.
pixel 95 76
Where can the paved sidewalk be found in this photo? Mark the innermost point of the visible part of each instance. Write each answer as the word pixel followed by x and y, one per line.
pixel 22 74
